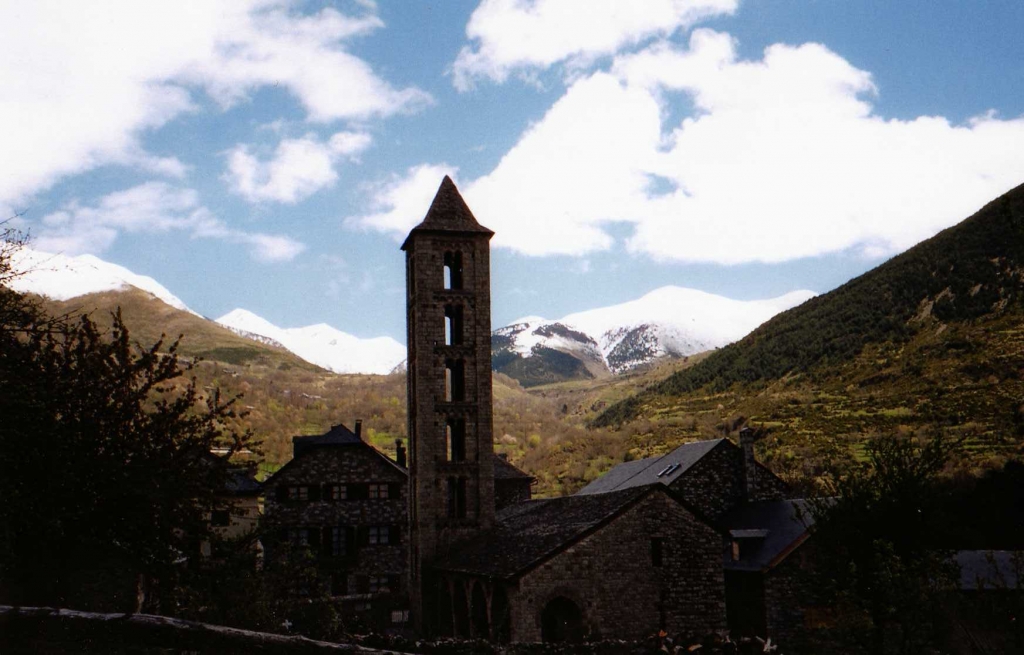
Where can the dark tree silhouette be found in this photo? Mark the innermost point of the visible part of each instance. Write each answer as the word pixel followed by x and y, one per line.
pixel 105 465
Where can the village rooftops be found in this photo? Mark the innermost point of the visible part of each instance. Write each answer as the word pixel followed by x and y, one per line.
pixel 653 470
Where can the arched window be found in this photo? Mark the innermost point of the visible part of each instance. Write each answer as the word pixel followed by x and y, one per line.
pixel 455 439
pixel 456 498
pixel 453 325
pixel 453 270
pixel 454 381
pixel 460 606
pixel 501 618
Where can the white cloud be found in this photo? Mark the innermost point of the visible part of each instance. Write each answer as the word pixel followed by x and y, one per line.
pixel 531 35
pixel 298 169
pixel 400 203
pixel 780 158
pixel 82 81
pixel 153 207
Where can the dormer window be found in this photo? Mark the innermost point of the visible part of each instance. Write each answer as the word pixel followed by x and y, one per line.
pixel 453 270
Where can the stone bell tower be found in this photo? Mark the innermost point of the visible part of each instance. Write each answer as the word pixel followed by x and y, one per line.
pixel 448 314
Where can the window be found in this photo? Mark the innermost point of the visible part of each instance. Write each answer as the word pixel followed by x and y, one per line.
pixel 380 534
pixel 298 492
pixel 453 325
pixel 378 491
pixel 378 583
pixel 337 492
pixel 657 551
pixel 300 536
pixel 399 616
pixel 338 545
pixel 339 584
pixel 455 439
pixel 358 491
pixel 456 498
pixel 454 380
pixel 453 270
pixel 220 518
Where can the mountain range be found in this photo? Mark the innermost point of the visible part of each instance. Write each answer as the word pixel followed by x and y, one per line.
pixel 667 322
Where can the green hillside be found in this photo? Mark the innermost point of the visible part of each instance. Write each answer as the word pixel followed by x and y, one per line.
pixel 971 271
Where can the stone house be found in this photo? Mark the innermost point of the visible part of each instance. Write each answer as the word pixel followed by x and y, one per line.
pixel 347 502
pixel 622 564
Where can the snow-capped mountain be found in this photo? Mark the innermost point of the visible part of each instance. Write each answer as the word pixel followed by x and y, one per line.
pixel 61 277
pixel 321 344
pixel 672 321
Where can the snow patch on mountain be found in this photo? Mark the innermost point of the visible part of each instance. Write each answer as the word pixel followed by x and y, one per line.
pixel 60 277
pixel 322 344
pixel 671 320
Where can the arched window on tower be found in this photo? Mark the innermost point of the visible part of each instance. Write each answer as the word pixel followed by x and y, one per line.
pixel 453 325
pixel 455 440
pixel 454 381
pixel 456 498
pixel 453 270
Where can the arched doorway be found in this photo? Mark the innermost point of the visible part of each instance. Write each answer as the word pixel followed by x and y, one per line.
pixel 461 607
pixel 478 612
pixel 561 620
pixel 501 619
pixel 445 621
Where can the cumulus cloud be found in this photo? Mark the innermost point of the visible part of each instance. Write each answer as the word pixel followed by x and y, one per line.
pixel 398 204
pixel 298 169
pixel 153 207
pixel 779 158
pixel 82 81
pixel 530 35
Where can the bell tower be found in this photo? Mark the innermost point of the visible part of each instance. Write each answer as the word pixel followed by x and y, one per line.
pixel 448 315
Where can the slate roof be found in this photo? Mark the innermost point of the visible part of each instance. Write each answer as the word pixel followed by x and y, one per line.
pixel 526 534
pixel 646 471
pixel 338 435
pixel 448 213
pixel 987 569
pixel 779 525
pixel 505 470
pixel 240 482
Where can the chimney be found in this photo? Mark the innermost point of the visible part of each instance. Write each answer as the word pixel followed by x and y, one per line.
pixel 359 428
pixel 400 453
pixel 749 470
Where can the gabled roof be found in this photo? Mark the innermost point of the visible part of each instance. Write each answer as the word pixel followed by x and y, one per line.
pixel 338 435
pixel 505 470
pixel 448 213
pixel 527 533
pixel 665 469
pixel 768 530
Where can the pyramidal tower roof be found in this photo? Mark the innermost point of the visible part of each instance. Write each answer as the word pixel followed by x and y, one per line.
pixel 448 213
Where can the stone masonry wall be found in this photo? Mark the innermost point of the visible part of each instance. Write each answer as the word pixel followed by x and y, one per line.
pixel 349 464
pixel 788 592
pixel 714 485
pixel 611 577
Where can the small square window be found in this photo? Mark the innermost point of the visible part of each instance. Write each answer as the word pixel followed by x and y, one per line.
pixel 378 583
pixel 400 616
pixel 380 534
pixel 220 518
pixel 337 492
pixel 298 492
pixel 378 491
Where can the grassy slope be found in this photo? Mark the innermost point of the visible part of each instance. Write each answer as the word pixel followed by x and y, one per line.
pixel 966 272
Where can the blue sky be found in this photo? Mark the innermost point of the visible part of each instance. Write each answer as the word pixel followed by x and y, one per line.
pixel 271 155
